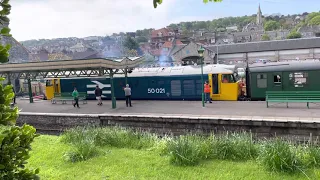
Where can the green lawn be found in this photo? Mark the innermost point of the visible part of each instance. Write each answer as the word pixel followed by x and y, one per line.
pixel 47 154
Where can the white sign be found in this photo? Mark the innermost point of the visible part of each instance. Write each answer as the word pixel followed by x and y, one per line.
pixel 156 90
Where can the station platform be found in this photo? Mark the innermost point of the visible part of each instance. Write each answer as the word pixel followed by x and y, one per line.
pixel 245 109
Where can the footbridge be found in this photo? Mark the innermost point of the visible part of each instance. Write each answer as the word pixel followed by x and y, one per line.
pixel 70 68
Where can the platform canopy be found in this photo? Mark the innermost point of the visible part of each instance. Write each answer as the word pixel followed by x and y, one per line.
pixel 70 68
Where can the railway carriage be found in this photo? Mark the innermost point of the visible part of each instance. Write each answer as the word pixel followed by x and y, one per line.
pixel 163 83
pixel 283 76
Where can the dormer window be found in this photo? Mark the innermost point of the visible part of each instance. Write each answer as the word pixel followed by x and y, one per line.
pixel 159 34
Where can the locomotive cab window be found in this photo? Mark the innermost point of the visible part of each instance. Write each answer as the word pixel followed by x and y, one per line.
pixel 277 79
pixel 48 83
pixel 228 78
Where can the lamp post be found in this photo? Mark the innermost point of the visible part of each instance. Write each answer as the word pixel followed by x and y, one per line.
pixel 200 52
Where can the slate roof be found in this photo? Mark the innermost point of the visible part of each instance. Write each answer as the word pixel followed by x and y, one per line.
pixel 304 43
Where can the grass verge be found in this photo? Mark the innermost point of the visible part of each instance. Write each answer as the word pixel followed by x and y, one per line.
pixel 128 163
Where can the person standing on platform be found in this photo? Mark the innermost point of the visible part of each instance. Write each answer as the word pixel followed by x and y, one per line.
pixel 75 95
pixel 98 93
pixel 127 93
pixel 207 92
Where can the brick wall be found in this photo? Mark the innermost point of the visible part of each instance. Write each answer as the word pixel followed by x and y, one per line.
pixel 175 124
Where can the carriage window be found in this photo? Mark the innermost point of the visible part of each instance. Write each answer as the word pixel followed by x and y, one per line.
pixel 189 87
pixel 262 80
pixel 298 79
pixel 228 78
pixel 175 88
pixel 277 79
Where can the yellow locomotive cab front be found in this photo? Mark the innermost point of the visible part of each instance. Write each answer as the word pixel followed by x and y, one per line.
pixel 223 87
pixel 52 87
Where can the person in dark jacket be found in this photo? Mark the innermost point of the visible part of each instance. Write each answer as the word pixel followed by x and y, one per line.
pixel 98 93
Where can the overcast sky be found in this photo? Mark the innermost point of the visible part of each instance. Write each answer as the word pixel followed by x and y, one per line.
pixel 35 19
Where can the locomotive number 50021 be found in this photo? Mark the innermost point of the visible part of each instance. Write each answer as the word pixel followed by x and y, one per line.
pixel 156 90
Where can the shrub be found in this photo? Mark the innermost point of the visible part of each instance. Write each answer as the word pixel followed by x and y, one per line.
pixel 15 142
pixel 125 138
pixel 83 141
pixel 234 147
pixel 15 147
pixel 82 151
pixel 161 145
pixel 79 134
pixel 280 155
pixel 187 150
pixel 311 155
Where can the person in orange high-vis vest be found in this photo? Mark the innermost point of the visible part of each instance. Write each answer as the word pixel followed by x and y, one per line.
pixel 207 92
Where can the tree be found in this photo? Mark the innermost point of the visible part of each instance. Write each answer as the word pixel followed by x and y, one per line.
pixel 158 2
pixel 271 25
pixel 15 141
pixel 141 39
pixel 200 25
pixel 130 43
pixel 311 16
pixel 173 26
pixel 315 21
pixel 265 37
pixel 294 35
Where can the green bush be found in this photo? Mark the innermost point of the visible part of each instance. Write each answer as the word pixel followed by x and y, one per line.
pixel 82 151
pixel 86 140
pixel 79 134
pixel 161 145
pixel 83 144
pixel 15 142
pixel 234 147
pixel 111 136
pixel 15 147
pixel 280 155
pixel 125 138
pixel 311 155
pixel 187 150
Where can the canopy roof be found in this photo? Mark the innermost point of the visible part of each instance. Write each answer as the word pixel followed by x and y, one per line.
pixel 68 68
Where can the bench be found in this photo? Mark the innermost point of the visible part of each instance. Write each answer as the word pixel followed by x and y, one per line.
pixel 293 96
pixel 64 97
